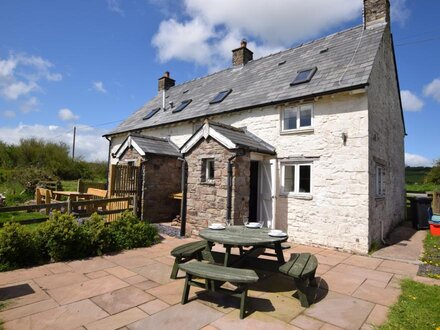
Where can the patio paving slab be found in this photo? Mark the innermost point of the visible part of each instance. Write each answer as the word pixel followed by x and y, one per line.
pixel 171 293
pixel 26 310
pixel 122 299
pixel 91 288
pixel 377 295
pixel 192 315
pixel 59 280
pixel 90 265
pixel 157 272
pixel 341 310
pixel 378 315
pixel 363 261
pixel 306 323
pixel 64 317
pixel 97 274
pixel 398 268
pixel 277 305
pixel 154 306
pixel 120 272
pixel 371 274
pixel 341 282
pixel 35 295
pixel 254 321
pixel 23 275
pixel 130 262
pixel 59 267
pixel 118 320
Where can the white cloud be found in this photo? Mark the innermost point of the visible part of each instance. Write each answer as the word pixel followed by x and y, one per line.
pixel 21 74
pixel 214 27
pixel 433 89
pixel 67 115
pixel 417 160
pixel 99 86
pixel 30 105
pixel 8 114
pixel 115 6
pixel 399 11
pixel 90 145
pixel 410 101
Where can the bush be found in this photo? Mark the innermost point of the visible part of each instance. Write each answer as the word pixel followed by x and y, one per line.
pixel 18 246
pixel 433 175
pixel 63 238
pixel 129 232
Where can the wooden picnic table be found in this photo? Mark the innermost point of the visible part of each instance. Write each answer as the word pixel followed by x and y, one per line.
pixel 242 236
pixel 73 195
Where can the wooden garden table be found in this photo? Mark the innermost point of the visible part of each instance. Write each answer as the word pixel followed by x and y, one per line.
pixel 241 236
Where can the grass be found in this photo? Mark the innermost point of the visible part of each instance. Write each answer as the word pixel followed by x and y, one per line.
pixel 418 308
pixel 20 216
pixel 71 185
pixel 431 256
pixel 422 187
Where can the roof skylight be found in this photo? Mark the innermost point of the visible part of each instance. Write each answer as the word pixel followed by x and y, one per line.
pixel 151 114
pixel 182 106
pixel 304 76
pixel 220 96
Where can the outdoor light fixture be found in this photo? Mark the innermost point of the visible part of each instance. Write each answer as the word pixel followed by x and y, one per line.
pixel 344 138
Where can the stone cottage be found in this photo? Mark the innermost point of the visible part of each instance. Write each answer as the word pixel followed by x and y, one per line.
pixel 308 140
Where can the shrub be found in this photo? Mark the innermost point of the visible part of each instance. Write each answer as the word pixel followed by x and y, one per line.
pixel 129 232
pixel 63 238
pixel 18 246
pixel 99 236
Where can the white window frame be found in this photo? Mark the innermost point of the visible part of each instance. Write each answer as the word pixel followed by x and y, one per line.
pixel 205 163
pixel 298 109
pixel 296 191
pixel 380 176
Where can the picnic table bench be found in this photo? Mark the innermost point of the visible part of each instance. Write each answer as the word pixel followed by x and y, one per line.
pixel 302 267
pixel 186 252
pixel 215 276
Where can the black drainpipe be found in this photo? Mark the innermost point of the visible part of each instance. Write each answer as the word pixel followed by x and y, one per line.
pixel 183 203
pixel 229 193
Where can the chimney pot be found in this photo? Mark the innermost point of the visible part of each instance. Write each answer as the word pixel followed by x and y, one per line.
pixel 243 43
pixel 165 82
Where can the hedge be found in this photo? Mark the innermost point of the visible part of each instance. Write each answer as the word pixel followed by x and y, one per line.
pixel 62 237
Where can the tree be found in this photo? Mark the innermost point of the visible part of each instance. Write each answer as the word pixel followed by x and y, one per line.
pixel 433 175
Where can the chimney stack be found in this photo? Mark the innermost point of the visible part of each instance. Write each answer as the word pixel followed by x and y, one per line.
pixel 242 55
pixel 165 82
pixel 376 11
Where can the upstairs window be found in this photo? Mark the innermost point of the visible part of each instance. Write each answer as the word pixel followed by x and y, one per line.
pixel 151 114
pixel 304 76
pixel 182 106
pixel 208 170
pixel 380 181
pixel 297 118
pixel 220 96
pixel 296 178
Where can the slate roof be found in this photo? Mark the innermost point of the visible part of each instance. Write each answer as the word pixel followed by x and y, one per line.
pixel 240 137
pixel 344 61
pixel 154 145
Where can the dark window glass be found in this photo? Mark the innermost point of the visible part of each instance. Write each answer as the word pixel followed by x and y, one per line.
pixel 182 106
pixel 220 96
pixel 304 76
pixel 210 169
pixel 304 178
pixel 290 119
pixel 151 114
pixel 305 116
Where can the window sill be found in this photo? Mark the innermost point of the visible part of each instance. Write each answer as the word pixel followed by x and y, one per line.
pixel 298 196
pixel 208 183
pixel 379 198
pixel 298 131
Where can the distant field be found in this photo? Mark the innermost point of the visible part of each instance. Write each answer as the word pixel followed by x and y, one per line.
pixel 416 175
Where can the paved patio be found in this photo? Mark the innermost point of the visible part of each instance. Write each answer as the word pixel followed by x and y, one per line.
pixel 132 290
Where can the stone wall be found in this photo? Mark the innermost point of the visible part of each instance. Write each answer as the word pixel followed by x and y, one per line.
pixel 207 201
pixel 161 177
pixel 376 11
pixel 386 140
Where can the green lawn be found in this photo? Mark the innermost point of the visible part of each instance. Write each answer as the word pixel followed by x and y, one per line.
pixel 20 216
pixel 418 308
pixel 431 256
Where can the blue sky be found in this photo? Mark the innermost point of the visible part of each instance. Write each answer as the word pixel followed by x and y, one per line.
pixel 90 64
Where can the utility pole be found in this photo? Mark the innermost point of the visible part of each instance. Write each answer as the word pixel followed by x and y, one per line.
pixel 73 145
